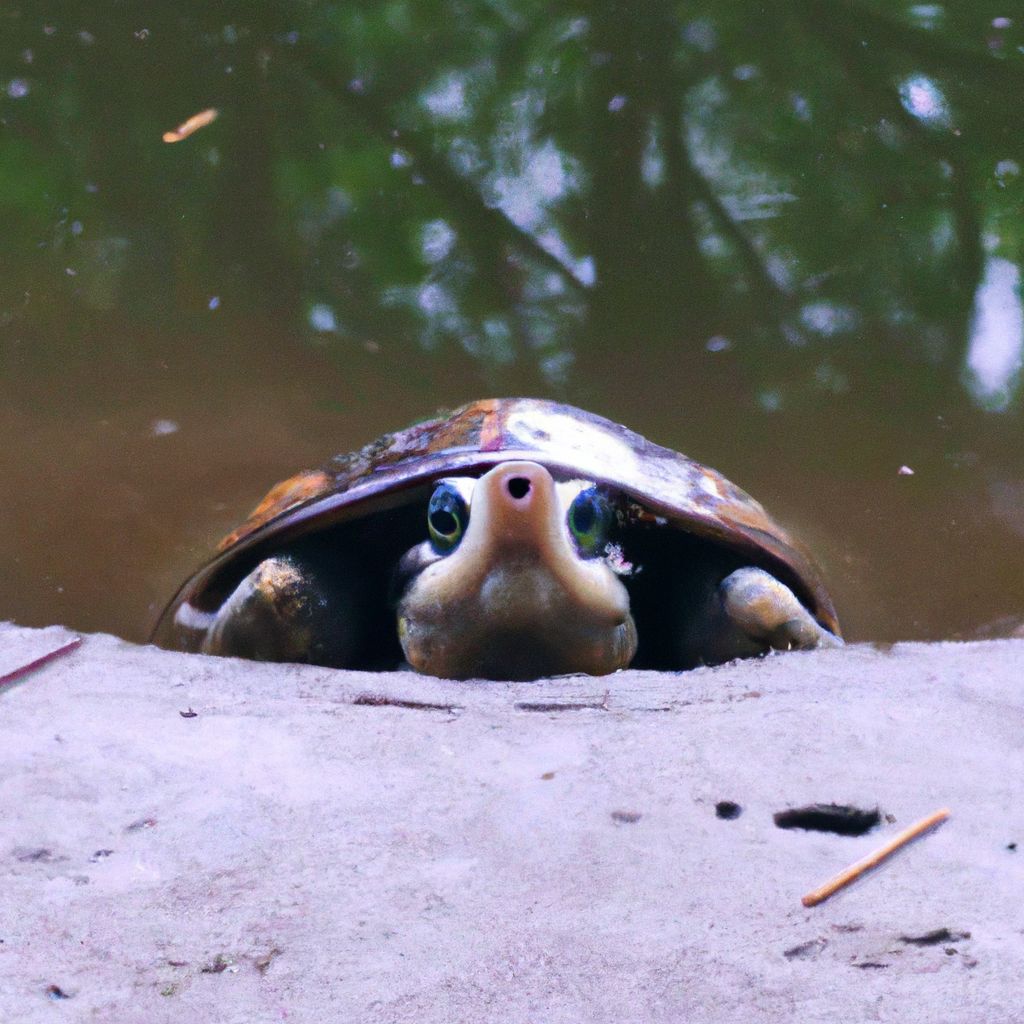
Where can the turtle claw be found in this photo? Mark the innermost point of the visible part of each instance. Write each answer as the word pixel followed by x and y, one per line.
pixel 768 612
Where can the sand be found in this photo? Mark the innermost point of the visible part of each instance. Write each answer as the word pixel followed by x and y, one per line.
pixel 195 839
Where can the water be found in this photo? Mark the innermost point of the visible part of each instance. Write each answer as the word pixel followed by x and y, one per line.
pixel 789 250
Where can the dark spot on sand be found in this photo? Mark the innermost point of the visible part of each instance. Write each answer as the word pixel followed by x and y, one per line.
pixel 838 818
pixel 626 817
pixel 35 855
pixel 218 966
pixel 546 706
pixel 56 992
pixel 189 714
pixel 262 963
pixel 548 776
pixel 806 950
pixel 728 810
pixel 933 938
pixel 140 825
pixel 373 700
pixel 99 855
pixel 1012 847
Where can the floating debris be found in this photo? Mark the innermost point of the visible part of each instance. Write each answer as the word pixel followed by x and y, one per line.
pixel 161 428
pixel 905 471
pixel 192 125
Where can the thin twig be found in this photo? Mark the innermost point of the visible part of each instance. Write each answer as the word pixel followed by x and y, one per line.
pixel 15 674
pixel 854 871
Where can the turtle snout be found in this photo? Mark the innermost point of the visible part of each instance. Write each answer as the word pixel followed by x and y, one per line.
pixel 515 507
pixel 520 489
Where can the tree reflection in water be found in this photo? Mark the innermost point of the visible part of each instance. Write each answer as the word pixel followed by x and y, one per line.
pixel 823 181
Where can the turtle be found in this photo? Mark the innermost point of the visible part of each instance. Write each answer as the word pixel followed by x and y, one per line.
pixel 513 538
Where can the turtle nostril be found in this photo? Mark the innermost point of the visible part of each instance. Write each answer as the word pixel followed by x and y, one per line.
pixel 518 487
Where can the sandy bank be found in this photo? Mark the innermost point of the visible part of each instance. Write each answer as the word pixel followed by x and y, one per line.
pixel 194 839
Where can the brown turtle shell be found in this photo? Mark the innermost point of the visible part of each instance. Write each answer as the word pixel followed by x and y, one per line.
pixel 663 484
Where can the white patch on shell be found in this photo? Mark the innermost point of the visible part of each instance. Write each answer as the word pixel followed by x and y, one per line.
pixel 592 450
pixel 710 485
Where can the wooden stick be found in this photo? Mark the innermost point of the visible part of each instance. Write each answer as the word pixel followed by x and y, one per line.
pixel 844 878
pixel 24 670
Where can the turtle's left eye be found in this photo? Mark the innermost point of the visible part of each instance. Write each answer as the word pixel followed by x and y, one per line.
pixel 590 517
pixel 447 516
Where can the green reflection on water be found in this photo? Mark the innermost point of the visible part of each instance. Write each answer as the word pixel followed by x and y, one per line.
pixel 785 237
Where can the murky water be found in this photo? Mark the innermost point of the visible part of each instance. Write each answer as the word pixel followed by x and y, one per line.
pixel 805 273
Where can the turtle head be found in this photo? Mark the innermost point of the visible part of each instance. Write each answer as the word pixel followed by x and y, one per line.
pixel 513 583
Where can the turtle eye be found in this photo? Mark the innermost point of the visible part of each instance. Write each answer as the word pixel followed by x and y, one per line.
pixel 590 516
pixel 447 516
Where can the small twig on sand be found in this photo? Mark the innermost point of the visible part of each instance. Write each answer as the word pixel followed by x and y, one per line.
pixel 854 871
pixel 15 674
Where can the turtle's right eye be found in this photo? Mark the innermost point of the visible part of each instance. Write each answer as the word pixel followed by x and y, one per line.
pixel 447 516
pixel 590 517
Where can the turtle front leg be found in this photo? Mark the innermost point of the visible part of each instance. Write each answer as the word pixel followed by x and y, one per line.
pixel 287 609
pixel 749 613
pixel 765 611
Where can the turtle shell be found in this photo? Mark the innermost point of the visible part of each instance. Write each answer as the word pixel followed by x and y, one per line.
pixel 663 486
